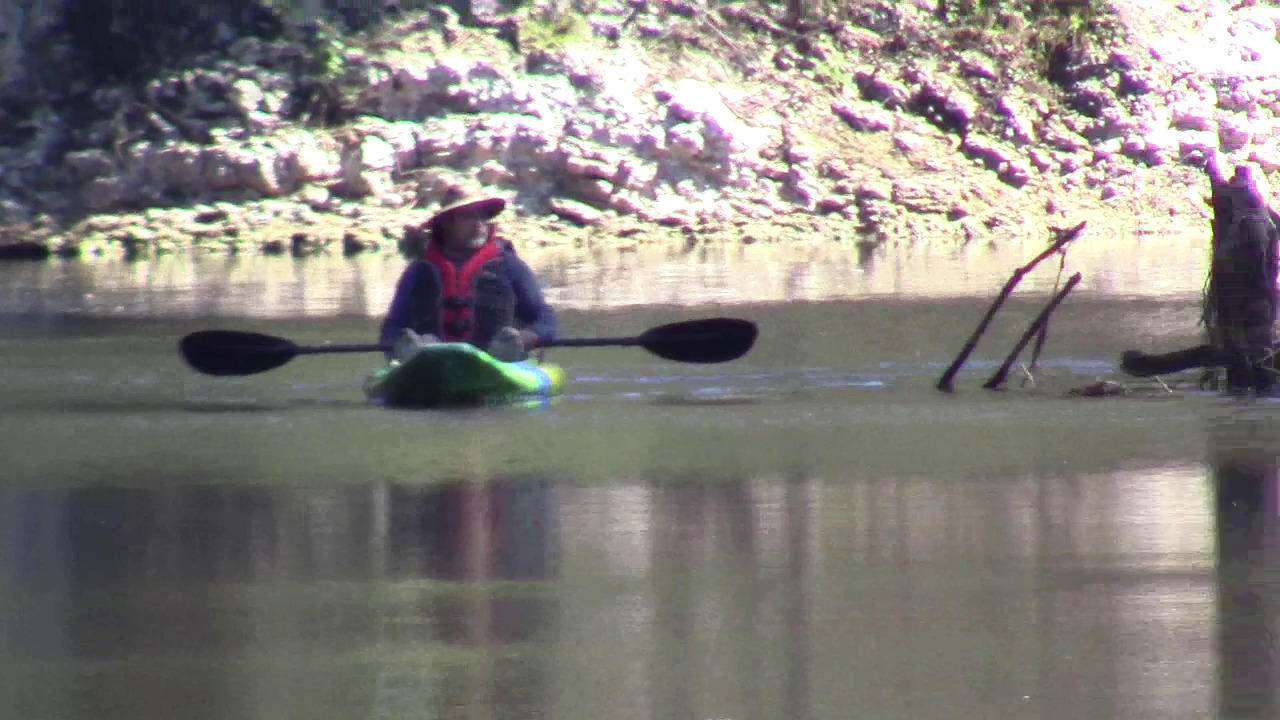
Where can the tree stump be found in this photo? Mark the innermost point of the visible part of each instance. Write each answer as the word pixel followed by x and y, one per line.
pixel 1239 309
pixel 1240 298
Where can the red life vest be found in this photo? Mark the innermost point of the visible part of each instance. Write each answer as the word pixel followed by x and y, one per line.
pixel 474 300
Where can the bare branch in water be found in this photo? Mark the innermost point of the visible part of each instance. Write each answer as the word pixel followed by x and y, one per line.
pixel 947 381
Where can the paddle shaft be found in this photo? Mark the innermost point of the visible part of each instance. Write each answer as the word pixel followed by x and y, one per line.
pixel 592 342
pixel 563 342
pixel 319 349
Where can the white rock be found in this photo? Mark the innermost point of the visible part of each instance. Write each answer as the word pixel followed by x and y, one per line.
pixel 402 138
pixel 700 103
pixel 317 198
pixel 247 96
pixel 685 141
pixel 316 163
pixel 377 154
pixel 1267 157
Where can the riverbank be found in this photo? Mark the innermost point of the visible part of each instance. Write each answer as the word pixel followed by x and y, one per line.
pixel 671 124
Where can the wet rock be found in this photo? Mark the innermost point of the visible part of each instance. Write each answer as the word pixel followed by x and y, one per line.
pixel 136 244
pixel 65 249
pixel 302 245
pixel 24 250
pixel 352 245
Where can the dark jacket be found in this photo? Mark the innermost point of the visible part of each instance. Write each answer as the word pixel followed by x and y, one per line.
pixel 418 294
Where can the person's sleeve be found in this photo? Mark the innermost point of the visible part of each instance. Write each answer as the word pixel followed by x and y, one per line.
pixel 532 310
pixel 400 314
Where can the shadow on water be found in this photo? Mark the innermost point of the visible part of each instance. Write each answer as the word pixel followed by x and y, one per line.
pixel 219 601
pixel 1245 469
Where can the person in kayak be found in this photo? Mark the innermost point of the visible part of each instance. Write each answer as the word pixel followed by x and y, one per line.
pixel 468 286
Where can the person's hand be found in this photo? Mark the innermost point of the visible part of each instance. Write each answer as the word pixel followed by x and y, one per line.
pixel 528 339
pixel 507 345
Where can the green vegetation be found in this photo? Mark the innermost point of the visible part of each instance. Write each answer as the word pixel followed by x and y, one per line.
pixel 554 29
pixel 1050 30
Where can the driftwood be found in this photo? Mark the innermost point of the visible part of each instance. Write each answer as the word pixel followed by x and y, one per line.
pixel 947 381
pixel 1043 335
pixel 1140 364
pixel 1240 299
pixel 1036 328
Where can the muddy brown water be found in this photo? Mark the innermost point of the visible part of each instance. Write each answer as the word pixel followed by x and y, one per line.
pixel 810 532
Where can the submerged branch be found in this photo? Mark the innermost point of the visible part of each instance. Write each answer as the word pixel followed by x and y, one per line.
pixel 1041 321
pixel 946 382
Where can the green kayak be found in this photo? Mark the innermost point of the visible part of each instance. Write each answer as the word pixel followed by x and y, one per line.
pixel 459 374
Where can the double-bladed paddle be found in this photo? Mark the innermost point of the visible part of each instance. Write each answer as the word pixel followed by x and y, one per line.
pixel 232 352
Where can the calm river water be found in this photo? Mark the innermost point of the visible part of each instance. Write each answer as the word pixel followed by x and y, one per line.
pixel 810 532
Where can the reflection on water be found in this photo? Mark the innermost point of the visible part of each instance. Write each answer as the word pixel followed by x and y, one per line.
pixel 784 595
pixel 1246 475
pixel 278 287
pixel 134 588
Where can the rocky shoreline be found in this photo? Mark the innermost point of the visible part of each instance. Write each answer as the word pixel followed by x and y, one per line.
pixel 645 122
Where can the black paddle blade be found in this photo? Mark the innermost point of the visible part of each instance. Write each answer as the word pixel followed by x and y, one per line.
pixel 229 352
pixel 714 340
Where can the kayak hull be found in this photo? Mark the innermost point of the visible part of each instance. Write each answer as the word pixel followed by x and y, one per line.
pixel 460 374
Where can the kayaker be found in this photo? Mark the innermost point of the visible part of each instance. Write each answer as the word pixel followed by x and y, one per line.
pixel 469 286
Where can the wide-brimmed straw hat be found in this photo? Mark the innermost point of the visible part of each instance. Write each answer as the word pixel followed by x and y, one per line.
pixel 483 209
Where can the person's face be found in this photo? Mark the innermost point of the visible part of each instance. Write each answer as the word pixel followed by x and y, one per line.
pixel 464 232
